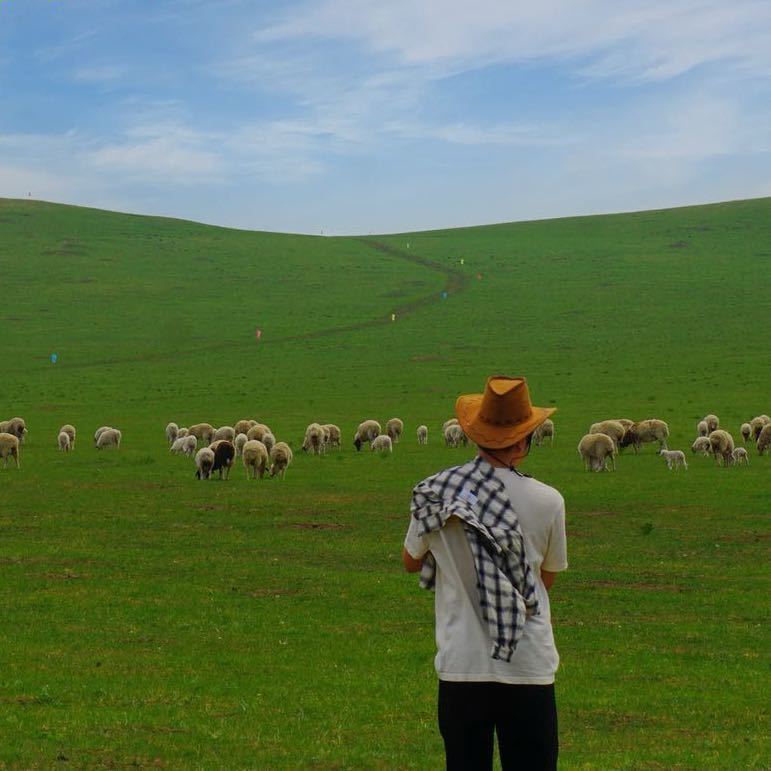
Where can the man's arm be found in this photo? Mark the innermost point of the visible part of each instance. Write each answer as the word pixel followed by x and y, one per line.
pixel 411 565
pixel 548 578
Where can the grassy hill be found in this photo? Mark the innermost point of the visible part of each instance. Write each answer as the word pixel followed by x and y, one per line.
pixel 152 619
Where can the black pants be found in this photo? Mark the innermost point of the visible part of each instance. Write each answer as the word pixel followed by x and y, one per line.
pixel 524 717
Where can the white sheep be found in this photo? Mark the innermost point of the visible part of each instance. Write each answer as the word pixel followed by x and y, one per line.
pixel 63 441
pixel 625 422
pixel 450 422
pixel 71 433
pixel 189 445
pixel 204 462
pixel 269 441
pixel 183 431
pixel 701 445
pixel 764 440
pixel 722 444
pixel 239 442
pixel 366 432
pixel 652 430
pixel 314 439
pixel 334 434
pixel 422 434
pixel 9 448
pixel 756 424
pixel 109 438
pixel 394 429
pixel 541 432
pixel 597 450
pixel 225 432
pixel 611 428
pixel 280 458
pixel 712 421
pixel 15 426
pixel 203 432
pixel 382 443
pixel 746 432
pixel 674 459
pixel 702 429
pixel 243 426
pixel 257 431
pixel 172 432
pixel 740 455
pixel 99 431
pixel 178 445
pixel 255 458
pixel 454 435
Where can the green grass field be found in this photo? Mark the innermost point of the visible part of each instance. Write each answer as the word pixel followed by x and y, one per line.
pixel 151 620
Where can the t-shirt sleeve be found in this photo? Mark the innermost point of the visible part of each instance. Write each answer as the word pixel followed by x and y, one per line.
pixel 416 545
pixel 556 557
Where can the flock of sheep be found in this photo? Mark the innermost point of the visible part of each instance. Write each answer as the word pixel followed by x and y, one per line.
pixel 216 449
pixel 605 439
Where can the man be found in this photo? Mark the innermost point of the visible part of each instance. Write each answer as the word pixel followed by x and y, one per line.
pixel 490 541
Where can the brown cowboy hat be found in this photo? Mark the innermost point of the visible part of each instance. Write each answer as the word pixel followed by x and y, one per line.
pixel 502 415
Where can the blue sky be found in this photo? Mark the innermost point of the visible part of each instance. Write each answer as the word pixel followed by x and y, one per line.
pixel 359 116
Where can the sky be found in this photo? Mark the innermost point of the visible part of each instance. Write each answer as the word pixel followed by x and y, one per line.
pixel 373 116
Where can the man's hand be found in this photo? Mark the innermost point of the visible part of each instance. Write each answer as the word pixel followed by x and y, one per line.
pixel 411 565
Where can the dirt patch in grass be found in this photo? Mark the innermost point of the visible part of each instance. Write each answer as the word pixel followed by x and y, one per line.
pixel 315 526
pixel 598 513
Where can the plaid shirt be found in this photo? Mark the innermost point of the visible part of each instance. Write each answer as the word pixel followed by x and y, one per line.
pixel 505 581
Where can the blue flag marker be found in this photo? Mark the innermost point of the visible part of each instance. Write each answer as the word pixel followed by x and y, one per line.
pixel 54 357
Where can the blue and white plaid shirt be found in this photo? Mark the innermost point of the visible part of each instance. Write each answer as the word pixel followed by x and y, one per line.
pixel 505 581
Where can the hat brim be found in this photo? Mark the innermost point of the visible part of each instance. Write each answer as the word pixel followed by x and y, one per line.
pixel 495 437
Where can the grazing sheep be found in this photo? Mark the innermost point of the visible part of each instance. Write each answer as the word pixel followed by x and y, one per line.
pixel 189 445
pixel 756 426
pixel 334 433
pixel 224 456
pixel 625 422
pixel 611 428
pixel 15 426
pixel 722 444
pixel 178 445
pixel 597 450
pixel 172 432
pixel 203 432
pixel 394 429
pixel 204 461
pixel 243 426
pixel 99 431
pixel 453 435
pixel 545 429
pixel 109 438
pixel 702 429
pixel 712 421
pixel 257 431
pixel 71 432
pixel 314 439
pixel 674 458
pixel 238 443
pixel 702 446
pixel 280 458
pixel 225 432
pixel 366 432
pixel 422 434
pixel 269 441
pixel 746 432
pixel 646 431
pixel 740 455
pixel 764 440
pixel 382 443
pixel 9 448
pixel 255 458
pixel 183 431
pixel 450 422
pixel 64 441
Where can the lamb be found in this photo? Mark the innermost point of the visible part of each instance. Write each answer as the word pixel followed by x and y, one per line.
pixel 712 421
pixel 740 455
pixel 255 458
pixel 204 461
pixel 756 424
pixel 702 429
pixel 366 432
pixel 269 441
pixel 280 458
pixel 64 441
pixel 183 431
pixel 71 433
pixel 15 426
pixel 238 443
pixel 453 435
pixel 764 440
pixel 9 448
pixel 422 434
pixel 382 443
pixel 611 428
pixel 178 445
pixel 597 450
pixel 189 445
pixel 225 432
pixel 722 444
pixel 545 429
pixel 674 458
pixel 394 429
pixel 172 432
pixel 652 430
pixel 257 431
pixel 746 432
pixel 224 455
pixel 335 435
pixel 702 445
pixel 109 438
pixel 314 439
pixel 203 432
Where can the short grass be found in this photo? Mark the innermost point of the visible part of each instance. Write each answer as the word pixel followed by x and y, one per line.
pixel 152 620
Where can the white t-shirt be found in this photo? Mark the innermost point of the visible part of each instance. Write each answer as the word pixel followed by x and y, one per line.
pixel 462 636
